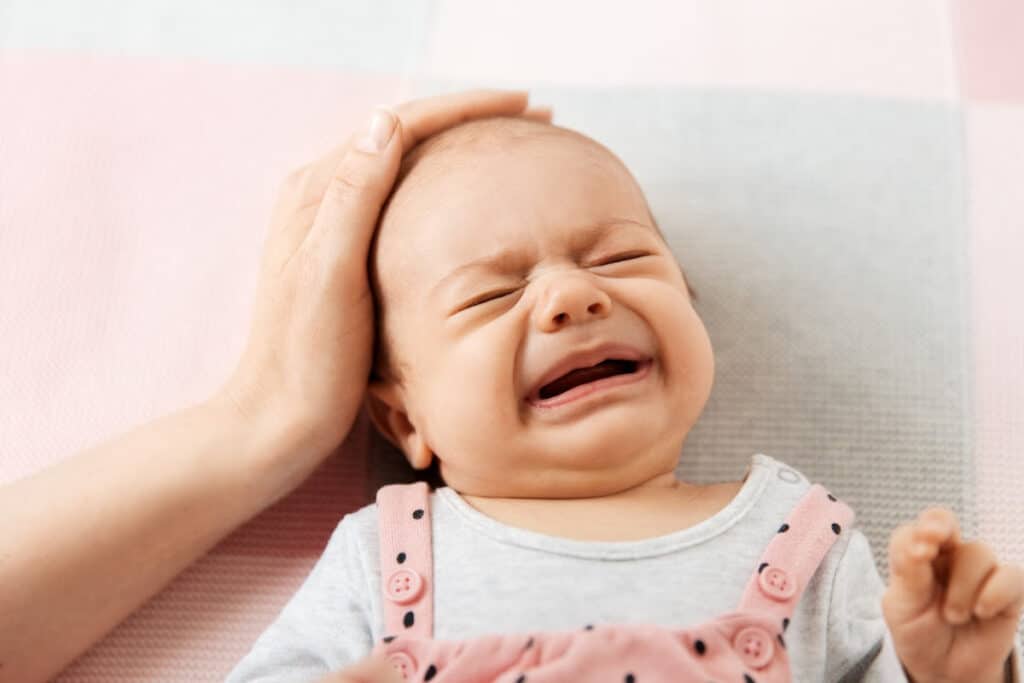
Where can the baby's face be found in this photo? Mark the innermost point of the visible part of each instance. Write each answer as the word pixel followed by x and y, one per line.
pixel 496 262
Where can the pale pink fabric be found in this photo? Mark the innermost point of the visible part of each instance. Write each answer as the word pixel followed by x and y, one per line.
pixel 995 155
pixel 405 547
pixel 748 642
pixel 990 50
pixel 870 47
pixel 134 200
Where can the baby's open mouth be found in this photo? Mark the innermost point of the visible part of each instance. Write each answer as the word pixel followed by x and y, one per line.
pixel 574 378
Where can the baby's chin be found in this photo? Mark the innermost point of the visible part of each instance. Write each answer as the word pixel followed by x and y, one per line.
pixel 604 470
pixel 552 485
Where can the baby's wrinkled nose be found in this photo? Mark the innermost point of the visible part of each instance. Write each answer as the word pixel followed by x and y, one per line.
pixel 570 300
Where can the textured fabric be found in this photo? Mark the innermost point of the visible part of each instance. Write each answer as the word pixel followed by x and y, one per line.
pixel 841 183
pixel 495 586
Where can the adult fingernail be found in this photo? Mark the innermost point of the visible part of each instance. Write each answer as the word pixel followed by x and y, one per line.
pixel 378 131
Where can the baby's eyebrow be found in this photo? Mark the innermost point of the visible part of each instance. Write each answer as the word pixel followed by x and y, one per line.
pixel 506 260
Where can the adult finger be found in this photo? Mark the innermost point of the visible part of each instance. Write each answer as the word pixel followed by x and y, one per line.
pixel 424 117
pixel 357 189
pixel 544 114
pixel 428 116
pixel 305 186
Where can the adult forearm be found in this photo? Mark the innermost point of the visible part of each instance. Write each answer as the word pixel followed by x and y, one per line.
pixel 86 542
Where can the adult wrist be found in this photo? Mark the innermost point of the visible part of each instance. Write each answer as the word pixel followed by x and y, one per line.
pixel 277 447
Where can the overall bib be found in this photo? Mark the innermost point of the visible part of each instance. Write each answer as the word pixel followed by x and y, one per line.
pixel 744 646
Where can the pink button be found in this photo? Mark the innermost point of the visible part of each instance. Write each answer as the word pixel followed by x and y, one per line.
pixel 777 583
pixel 403 663
pixel 755 646
pixel 404 586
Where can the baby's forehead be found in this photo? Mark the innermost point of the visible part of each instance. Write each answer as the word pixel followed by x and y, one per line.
pixel 442 176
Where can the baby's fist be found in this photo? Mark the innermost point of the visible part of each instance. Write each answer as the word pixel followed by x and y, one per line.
pixel 951 606
pixel 372 669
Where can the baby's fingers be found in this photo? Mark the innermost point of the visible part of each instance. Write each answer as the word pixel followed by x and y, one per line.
pixel 911 577
pixel 1002 594
pixel 970 567
pixel 915 567
pixel 373 669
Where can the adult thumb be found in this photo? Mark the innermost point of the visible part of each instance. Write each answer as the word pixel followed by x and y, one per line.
pixel 361 182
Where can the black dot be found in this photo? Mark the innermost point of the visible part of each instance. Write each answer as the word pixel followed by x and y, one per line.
pixel 785 623
pixel 831 497
pixel 748 679
pixel 408 619
pixel 400 558
pixel 836 528
pixel 630 678
pixel 761 568
pixel 388 639
pixel 521 679
pixel 781 641
pixel 588 627
pixel 784 528
pixel 417 514
pixel 529 643
pixel 699 646
pixel 431 672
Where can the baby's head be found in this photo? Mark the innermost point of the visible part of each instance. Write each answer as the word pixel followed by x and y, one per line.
pixel 507 247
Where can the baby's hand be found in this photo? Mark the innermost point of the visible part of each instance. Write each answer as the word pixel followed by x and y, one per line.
pixel 373 669
pixel 951 606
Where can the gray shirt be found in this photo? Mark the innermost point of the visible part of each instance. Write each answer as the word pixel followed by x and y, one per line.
pixel 493 578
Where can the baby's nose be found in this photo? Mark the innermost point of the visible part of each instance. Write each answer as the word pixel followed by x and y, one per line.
pixel 570 301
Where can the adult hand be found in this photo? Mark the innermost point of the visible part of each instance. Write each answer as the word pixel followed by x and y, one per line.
pixel 308 358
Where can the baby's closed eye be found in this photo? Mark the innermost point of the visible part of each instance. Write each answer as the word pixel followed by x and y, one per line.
pixel 619 258
pixel 491 296
pixel 497 294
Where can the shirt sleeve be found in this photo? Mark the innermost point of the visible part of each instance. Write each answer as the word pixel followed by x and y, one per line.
pixel 860 646
pixel 324 627
pixel 1015 664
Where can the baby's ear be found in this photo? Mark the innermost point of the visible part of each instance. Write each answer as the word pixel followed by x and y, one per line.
pixel 386 405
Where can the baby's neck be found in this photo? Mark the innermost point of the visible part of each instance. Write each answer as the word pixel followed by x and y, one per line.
pixel 658 507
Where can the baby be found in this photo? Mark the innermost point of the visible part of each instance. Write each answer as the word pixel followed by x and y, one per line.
pixel 538 345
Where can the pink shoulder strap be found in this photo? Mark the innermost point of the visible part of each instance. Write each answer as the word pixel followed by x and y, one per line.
pixel 406 560
pixel 794 553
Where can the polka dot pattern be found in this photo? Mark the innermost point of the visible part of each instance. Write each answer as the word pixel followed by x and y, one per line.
pixel 751 641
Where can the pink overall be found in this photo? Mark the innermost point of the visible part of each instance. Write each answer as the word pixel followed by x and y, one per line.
pixel 744 646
